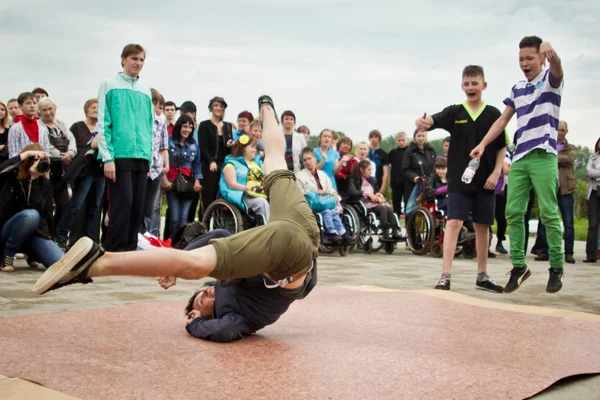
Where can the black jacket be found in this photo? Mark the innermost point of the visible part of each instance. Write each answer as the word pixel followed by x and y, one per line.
pixel 434 182
pixel 211 148
pixel 412 157
pixel 355 188
pixel 15 193
pixel 243 306
pixel 397 177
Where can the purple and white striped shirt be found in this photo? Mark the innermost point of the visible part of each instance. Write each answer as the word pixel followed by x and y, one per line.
pixel 537 104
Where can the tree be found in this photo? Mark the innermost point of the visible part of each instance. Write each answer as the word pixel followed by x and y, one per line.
pixel 583 155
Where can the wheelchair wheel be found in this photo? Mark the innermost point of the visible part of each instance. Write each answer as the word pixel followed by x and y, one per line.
pixel 389 247
pixel 344 250
pixel 437 248
pixel 420 230
pixel 351 222
pixel 221 214
pixel 370 233
pixel 469 250
pixel 325 249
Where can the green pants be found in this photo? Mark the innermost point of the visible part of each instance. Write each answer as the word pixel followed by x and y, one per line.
pixel 540 170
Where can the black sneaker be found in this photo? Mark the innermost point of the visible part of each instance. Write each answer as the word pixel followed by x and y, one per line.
pixel 555 280
pixel 500 249
pixel 518 275
pixel 491 255
pixel 488 285
pixel 266 100
pixel 443 284
pixel 72 268
pixel 7 264
pixel 348 238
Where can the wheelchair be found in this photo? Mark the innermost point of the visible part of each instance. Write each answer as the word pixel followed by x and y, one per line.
pixel 425 228
pixel 221 214
pixel 330 248
pixel 365 226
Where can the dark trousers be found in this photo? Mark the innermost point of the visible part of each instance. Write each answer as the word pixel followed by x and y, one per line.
pixel 61 198
pixel 397 196
pixel 500 215
pixel 126 200
pixel 591 244
pixel 566 205
pixel 386 216
pixel 150 200
pixel 210 185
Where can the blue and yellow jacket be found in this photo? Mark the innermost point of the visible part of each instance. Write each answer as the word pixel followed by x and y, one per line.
pixel 124 119
pixel 241 170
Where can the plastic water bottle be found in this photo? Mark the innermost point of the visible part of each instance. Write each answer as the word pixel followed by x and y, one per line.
pixel 470 171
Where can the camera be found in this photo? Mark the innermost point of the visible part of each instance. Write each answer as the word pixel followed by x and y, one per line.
pixel 43 166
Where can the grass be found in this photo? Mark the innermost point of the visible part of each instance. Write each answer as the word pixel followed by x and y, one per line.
pixel 581 227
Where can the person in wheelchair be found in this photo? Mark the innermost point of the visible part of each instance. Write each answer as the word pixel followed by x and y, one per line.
pixel 344 147
pixel 363 187
pixel 317 187
pixel 437 187
pixel 242 178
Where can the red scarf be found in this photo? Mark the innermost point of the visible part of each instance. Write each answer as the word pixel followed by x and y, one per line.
pixel 31 127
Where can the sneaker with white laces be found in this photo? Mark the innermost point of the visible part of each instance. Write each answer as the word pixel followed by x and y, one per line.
pixel 443 284
pixel 72 268
pixel 489 285
pixel 7 264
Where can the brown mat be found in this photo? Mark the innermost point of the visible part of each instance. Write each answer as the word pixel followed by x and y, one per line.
pixel 337 344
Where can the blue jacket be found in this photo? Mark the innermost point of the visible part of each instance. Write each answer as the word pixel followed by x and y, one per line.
pixel 186 156
pixel 241 169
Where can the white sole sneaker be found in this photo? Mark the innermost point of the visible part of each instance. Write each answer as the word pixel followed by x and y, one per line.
pixel 62 267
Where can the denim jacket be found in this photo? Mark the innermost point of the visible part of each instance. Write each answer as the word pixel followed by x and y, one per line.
pixel 186 156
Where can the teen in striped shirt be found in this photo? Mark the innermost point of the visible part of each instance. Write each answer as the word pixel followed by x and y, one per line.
pixel 536 101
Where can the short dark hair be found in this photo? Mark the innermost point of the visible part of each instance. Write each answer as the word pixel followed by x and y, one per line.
pixel 190 304
pixel 288 113
pixel 473 70
pixel 23 97
pixel 375 133
pixel 183 120
pixel 170 103
pixel 441 162
pixel 531 41
pixel 447 139
pixel 344 139
pixel 39 90
pixel 187 107
pixel 157 98
pixel 307 150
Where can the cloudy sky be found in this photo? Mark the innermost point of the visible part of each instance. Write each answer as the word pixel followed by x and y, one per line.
pixel 349 65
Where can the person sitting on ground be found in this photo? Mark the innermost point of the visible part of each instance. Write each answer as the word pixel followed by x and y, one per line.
pixel 437 187
pixel 243 177
pixel 363 187
pixel 311 179
pixel 347 161
pixel 26 210
pixel 284 250
pixel 233 309
pixel 184 165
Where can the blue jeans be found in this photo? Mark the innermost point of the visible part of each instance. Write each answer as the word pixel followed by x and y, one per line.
pixel 333 223
pixel 18 235
pixel 178 212
pixel 92 186
pixel 150 221
pixel 566 205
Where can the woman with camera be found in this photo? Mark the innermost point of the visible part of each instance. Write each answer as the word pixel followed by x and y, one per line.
pixel 26 209
pixel 182 182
